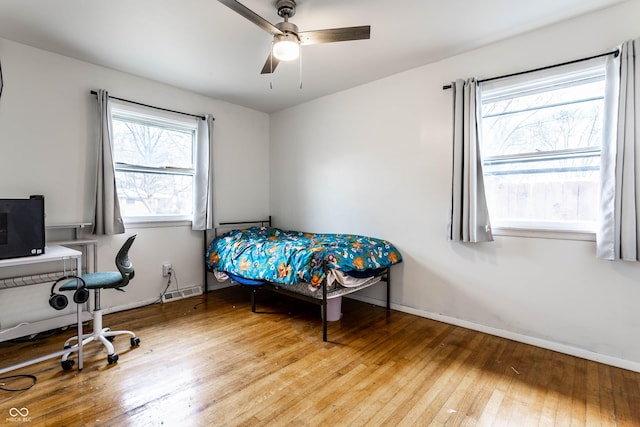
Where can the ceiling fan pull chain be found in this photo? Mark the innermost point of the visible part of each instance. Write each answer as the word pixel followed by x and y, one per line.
pixel 271 65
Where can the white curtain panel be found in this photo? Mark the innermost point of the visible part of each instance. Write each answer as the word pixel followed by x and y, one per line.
pixel 469 220
pixel 618 236
pixel 203 209
pixel 107 217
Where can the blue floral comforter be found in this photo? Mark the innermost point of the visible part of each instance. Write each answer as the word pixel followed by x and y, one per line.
pixel 289 257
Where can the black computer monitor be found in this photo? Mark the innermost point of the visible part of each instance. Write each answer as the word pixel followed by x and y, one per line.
pixel 21 227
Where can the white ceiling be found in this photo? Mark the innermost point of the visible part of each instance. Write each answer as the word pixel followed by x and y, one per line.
pixel 205 47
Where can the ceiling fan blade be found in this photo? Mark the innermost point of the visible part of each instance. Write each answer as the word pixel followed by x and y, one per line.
pixel 335 35
pixel 270 65
pixel 251 16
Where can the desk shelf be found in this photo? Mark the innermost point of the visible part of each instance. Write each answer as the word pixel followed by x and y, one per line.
pixel 70 235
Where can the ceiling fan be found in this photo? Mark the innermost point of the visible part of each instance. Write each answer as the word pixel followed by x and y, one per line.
pixel 286 37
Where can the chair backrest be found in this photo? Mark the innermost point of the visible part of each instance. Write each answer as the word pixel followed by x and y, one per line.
pixel 123 263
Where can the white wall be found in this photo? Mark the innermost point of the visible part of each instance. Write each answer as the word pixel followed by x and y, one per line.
pixel 47 146
pixel 376 160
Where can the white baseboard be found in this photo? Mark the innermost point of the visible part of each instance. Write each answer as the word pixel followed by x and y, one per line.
pixel 137 304
pixel 538 342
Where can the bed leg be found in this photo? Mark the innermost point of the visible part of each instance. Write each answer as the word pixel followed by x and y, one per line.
pixel 324 322
pixel 388 289
pixel 253 300
pixel 324 306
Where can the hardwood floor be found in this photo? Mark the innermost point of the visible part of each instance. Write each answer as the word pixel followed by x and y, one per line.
pixel 208 360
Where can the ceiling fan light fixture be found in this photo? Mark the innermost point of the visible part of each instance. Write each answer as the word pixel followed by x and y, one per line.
pixel 286 47
pixel 287 40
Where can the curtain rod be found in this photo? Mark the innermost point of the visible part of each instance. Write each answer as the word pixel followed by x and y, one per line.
pixel 93 92
pixel 614 53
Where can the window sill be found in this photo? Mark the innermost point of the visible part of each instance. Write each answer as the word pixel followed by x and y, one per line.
pixel 156 223
pixel 587 236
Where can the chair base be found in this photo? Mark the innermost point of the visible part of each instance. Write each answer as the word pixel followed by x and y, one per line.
pixel 99 334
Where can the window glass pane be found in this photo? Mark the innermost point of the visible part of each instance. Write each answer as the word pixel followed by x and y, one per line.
pixel 154 157
pixel 150 145
pixel 541 151
pixel 558 120
pixel 151 194
pixel 544 191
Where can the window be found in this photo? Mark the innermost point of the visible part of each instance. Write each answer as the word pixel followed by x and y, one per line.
pixel 540 145
pixel 154 157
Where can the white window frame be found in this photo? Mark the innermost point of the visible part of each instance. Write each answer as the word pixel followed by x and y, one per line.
pixel 592 69
pixel 157 117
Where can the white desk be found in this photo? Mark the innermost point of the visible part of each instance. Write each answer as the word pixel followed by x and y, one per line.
pixel 72 260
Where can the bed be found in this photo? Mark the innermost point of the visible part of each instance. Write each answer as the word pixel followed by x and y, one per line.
pixel 308 266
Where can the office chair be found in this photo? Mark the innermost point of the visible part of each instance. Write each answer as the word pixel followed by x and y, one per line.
pixel 96 282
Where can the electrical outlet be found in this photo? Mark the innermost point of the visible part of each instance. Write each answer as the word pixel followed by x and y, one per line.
pixel 166 269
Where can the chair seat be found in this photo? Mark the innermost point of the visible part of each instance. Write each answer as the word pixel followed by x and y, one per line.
pixel 98 280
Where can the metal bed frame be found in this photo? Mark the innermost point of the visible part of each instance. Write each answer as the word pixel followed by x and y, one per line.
pixel 281 289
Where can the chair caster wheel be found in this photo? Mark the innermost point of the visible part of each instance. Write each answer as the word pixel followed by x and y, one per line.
pixel 112 358
pixel 135 341
pixel 67 364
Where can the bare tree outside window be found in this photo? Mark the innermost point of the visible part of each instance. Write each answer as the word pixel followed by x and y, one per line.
pixel 154 167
